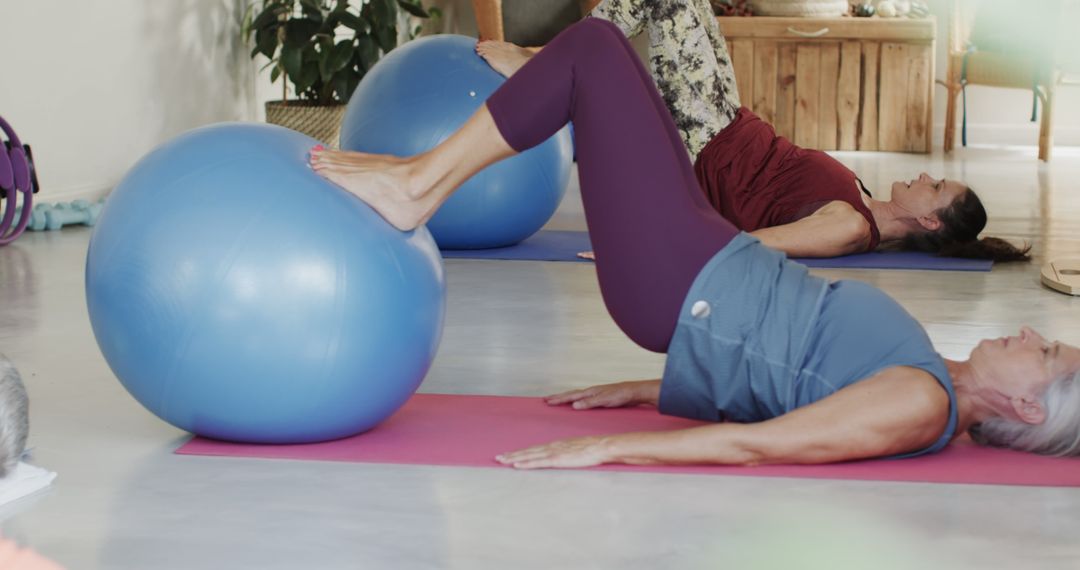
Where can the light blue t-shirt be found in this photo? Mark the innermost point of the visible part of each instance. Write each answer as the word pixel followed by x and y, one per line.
pixel 758 336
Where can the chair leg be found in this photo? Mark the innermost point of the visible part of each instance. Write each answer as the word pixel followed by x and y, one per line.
pixel 489 19
pixel 950 119
pixel 1046 126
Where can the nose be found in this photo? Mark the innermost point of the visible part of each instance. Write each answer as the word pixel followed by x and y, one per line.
pixel 1027 333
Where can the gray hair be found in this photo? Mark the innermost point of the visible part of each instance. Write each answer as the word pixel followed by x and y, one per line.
pixel 1058 435
pixel 14 417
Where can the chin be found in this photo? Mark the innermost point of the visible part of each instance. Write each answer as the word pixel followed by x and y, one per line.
pixel 898 186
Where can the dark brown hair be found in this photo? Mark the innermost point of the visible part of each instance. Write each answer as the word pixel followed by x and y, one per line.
pixel 958 236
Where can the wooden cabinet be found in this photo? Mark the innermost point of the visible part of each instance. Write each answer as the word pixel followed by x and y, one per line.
pixel 838 83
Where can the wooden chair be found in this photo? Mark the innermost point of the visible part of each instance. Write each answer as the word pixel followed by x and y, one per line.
pixel 1039 68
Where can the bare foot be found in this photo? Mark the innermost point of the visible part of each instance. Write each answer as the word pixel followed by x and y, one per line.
pixel 587 255
pixel 504 57
pixel 384 182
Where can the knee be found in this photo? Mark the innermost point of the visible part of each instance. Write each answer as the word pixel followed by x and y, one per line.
pixel 592 44
pixel 600 25
pixel 596 32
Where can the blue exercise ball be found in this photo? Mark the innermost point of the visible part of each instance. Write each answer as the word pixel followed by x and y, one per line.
pixel 414 99
pixel 239 296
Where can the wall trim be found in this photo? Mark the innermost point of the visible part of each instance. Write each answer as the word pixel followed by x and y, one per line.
pixel 1008 134
pixel 91 192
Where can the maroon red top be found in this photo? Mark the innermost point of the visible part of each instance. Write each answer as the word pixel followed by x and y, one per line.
pixel 757 179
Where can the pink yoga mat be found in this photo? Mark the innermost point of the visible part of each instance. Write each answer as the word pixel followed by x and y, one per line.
pixel 433 429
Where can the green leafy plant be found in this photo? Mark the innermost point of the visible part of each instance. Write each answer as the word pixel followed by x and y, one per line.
pixel 324 47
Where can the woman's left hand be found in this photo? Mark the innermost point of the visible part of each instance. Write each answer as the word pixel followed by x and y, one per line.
pixel 565 453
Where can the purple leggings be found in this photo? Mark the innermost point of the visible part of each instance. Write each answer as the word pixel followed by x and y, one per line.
pixel 649 222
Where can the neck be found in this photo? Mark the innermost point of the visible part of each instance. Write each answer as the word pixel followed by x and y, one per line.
pixel 893 222
pixel 972 403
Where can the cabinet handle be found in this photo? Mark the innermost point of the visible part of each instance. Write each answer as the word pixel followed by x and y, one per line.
pixel 816 34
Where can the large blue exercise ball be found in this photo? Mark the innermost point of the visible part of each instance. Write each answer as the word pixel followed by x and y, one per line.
pixel 414 99
pixel 239 296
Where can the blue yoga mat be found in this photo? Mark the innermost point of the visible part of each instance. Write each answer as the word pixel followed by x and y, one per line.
pixel 564 246
pixel 542 246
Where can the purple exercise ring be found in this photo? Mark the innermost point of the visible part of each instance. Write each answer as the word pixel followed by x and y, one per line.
pixel 16 175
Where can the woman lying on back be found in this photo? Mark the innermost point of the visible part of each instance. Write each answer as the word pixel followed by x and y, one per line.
pixel 796 369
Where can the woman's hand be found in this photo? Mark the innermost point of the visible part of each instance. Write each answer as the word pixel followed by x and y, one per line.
pixel 566 453
pixel 587 255
pixel 618 395
pixel 585 451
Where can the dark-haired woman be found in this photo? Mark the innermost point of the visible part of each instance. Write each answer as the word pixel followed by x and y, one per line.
pixel 803 370
pixel 799 201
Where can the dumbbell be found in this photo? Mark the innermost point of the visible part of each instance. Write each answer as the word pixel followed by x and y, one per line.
pixel 55 216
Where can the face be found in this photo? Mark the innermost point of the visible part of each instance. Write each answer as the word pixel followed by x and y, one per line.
pixel 923 196
pixel 1023 366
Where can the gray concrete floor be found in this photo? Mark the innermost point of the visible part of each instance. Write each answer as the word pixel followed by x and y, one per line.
pixel 124 501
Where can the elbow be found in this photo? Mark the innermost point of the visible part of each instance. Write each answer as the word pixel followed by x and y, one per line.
pixel 752 459
pixel 793 451
pixel 855 230
pixel 750 453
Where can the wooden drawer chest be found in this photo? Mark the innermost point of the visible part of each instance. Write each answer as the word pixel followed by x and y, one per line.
pixel 838 83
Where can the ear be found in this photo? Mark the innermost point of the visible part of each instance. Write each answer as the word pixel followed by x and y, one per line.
pixel 930 222
pixel 1030 410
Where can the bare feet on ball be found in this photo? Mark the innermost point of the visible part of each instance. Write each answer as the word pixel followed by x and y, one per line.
pixel 504 57
pixel 408 191
pixel 384 182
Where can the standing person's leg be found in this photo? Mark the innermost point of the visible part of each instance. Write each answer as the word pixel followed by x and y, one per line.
pixel 651 230
pixel 689 61
pixel 687 54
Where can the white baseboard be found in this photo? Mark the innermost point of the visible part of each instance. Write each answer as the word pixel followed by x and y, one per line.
pixel 1009 134
pixel 89 192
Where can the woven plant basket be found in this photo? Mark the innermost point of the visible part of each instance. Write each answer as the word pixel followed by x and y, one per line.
pixel 322 122
pixel 800 8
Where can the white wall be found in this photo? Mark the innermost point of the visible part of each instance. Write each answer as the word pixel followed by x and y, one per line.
pixel 98 84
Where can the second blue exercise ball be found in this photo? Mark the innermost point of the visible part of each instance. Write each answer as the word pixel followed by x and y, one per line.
pixel 239 296
pixel 415 98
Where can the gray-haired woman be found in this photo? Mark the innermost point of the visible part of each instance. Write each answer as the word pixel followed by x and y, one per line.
pixel 14 416
pixel 1020 392
pixel 803 370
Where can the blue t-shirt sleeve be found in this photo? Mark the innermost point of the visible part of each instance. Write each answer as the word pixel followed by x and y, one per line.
pixel 860 332
pixel 942 376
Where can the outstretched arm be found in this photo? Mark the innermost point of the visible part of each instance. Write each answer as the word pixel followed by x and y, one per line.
pixel 834 230
pixel 896 411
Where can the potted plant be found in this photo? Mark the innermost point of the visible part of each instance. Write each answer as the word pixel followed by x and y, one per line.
pixel 323 48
